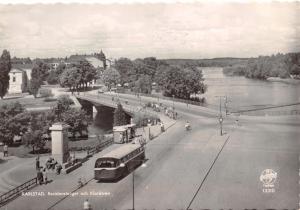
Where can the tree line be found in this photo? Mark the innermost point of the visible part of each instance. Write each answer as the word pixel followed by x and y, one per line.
pixel 180 81
pixel 279 65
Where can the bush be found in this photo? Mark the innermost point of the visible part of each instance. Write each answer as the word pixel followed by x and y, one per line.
pixel 46 93
pixel 197 99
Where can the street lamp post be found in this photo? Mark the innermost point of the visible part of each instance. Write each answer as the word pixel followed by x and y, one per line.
pixel 225 105
pixel 220 116
pixel 221 121
pixel 173 102
pixel 173 107
pixel 140 96
pixel 133 196
pixel 149 126
pixel 133 190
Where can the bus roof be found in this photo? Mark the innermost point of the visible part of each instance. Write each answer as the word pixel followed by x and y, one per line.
pixel 121 150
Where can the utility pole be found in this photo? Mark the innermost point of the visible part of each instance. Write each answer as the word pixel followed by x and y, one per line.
pixel 173 113
pixel 133 190
pixel 220 116
pixel 225 105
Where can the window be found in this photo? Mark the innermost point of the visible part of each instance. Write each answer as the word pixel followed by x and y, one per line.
pixel 105 164
pixel 14 79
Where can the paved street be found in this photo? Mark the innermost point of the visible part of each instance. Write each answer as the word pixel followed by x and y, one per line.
pixel 180 162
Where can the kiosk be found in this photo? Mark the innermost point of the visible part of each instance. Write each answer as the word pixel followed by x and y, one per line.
pixel 124 133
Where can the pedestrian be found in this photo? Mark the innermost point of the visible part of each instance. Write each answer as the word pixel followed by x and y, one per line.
pixel 45 176
pixel 162 127
pixel 48 163
pixel 176 115
pixel 58 169
pixel 53 164
pixel 86 205
pixel 121 138
pixel 40 177
pixel 80 183
pixel 5 150
pixel 37 163
pixel 73 159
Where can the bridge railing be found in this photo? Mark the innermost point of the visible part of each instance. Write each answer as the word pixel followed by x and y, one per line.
pixel 4 198
pixel 99 147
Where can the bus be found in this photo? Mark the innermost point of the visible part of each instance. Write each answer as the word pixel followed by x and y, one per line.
pixel 119 162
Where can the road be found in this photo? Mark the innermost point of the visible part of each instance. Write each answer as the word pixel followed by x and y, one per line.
pixel 180 162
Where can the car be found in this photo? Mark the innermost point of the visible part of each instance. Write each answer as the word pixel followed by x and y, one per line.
pixel 100 91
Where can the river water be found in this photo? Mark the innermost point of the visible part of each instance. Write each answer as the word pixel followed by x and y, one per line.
pixel 244 93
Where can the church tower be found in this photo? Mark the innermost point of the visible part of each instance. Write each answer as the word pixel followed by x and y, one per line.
pixel 102 57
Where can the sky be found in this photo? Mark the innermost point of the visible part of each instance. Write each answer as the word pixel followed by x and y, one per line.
pixel 177 30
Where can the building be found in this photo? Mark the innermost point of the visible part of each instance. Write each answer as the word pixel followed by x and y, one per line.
pixel 17 81
pixel 19 76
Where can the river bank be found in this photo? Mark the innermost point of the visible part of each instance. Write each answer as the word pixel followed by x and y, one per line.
pixel 284 80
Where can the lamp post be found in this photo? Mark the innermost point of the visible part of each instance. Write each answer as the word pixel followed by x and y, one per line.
pixel 225 105
pixel 220 115
pixel 133 197
pixel 173 107
pixel 149 126
pixel 140 96
pixel 173 103
pixel 221 121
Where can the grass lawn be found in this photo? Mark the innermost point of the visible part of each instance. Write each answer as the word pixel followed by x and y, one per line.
pixel 30 102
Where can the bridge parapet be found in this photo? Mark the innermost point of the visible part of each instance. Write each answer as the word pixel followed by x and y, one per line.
pixel 94 99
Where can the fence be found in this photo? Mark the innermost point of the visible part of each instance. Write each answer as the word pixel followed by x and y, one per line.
pixel 167 98
pixel 99 147
pixel 4 198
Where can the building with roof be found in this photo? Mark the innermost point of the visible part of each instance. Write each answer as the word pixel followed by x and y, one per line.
pixel 17 81
pixel 19 76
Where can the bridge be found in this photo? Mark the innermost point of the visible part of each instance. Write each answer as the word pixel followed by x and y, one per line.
pixel 90 101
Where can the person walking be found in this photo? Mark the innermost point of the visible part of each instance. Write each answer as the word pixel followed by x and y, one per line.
pixel 58 168
pixel 45 176
pixel 5 150
pixel 37 163
pixel 40 177
pixel 86 205
pixel 162 127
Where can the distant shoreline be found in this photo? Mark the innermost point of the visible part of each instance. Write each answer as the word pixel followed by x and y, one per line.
pixel 286 80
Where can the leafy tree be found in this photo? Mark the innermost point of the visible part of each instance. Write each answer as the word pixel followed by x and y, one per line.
pixel 71 78
pixel 65 102
pixel 5 66
pixel 34 86
pixel 143 84
pixel 34 139
pixel 53 77
pixel 60 69
pixel 110 77
pixel 87 71
pixel 39 73
pixel 182 83
pixel 126 69
pixel 14 121
pixel 76 119
pixel 119 116
pixel 295 69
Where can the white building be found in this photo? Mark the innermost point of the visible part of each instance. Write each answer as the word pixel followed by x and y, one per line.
pixel 17 81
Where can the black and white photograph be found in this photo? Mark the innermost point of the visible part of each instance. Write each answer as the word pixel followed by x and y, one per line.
pixel 149 105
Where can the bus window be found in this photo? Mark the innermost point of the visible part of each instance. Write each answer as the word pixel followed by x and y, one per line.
pixel 105 164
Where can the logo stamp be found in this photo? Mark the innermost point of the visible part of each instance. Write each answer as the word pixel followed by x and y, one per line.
pixel 268 178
